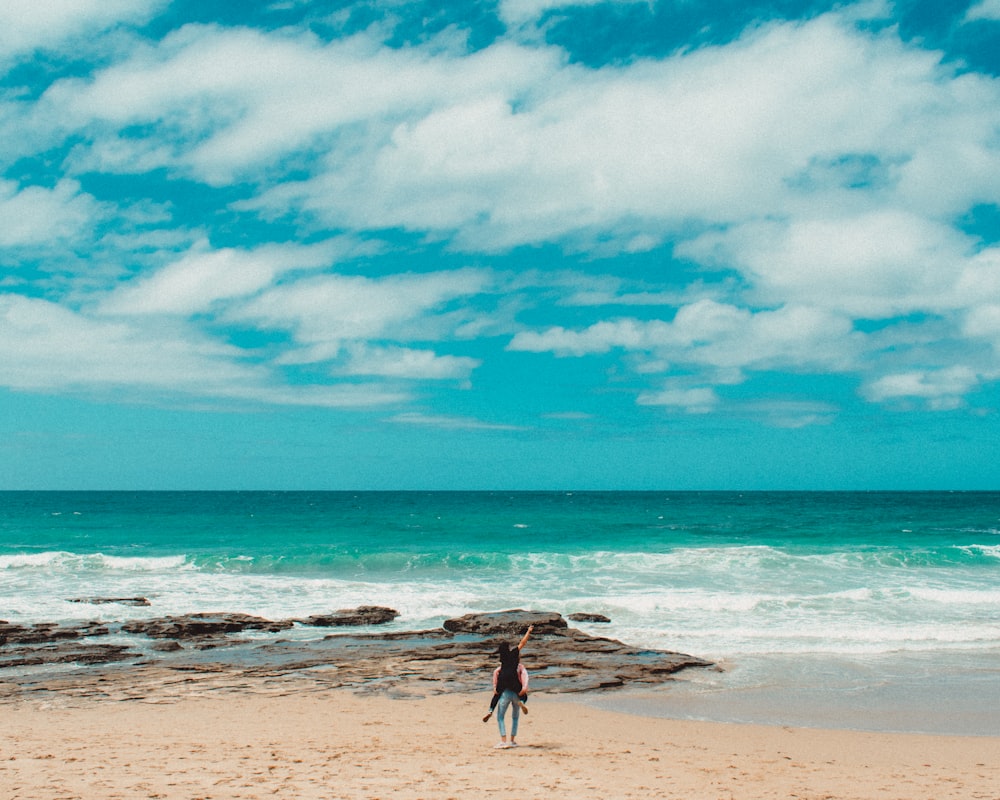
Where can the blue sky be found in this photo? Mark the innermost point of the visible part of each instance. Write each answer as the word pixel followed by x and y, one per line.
pixel 514 244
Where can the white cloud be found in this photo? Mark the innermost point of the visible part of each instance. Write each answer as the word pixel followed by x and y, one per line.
pixel 979 280
pixel 628 334
pixel 451 423
pixel 29 25
pixel 791 413
pixel 202 277
pixel 227 102
pixel 984 10
pixel 327 311
pixel 827 161
pixel 879 265
pixel 699 400
pixel 716 336
pixel 512 145
pixel 49 348
pixel 345 395
pixel 792 337
pixel 943 389
pixel 46 346
pixel 764 127
pixel 406 362
pixel 983 322
pixel 874 265
pixel 777 413
pixel 719 344
pixel 35 215
pixel 519 12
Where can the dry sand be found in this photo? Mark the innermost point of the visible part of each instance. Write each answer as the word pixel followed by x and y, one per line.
pixel 336 744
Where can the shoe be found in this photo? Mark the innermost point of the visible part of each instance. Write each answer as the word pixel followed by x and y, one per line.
pixel 487 717
pixel 501 746
pixel 514 744
pixel 524 708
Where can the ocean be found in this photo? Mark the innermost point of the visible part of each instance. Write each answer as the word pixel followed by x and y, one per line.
pixel 865 610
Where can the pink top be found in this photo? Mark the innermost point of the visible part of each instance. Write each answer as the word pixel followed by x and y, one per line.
pixel 522 675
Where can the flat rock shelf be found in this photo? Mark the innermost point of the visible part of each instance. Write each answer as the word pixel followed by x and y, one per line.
pixel 173 656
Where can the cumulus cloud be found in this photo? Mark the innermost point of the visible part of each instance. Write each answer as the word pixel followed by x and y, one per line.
pixel 984 10
pixel 512 144
pixel 325 312
pixel 983 322
pixel 46 346
pixel 814 169
pixel 764 127
pixel 229 102
pixel 879 264
pixel 29 25
pixel 39 216
pixel 406 362
pixel 202 277
pixel 715 335
pixel 942 389
pixel 979 280
pixel 629 334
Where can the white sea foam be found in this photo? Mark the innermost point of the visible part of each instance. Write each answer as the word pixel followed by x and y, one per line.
pixel 714 602
pixel 989 550
pixel 55 562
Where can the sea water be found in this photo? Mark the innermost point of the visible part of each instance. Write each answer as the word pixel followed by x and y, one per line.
pixel 860 609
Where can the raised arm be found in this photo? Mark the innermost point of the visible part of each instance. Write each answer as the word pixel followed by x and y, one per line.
pixel 524 639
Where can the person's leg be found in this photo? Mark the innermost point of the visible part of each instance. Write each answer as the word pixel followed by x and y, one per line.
pixel 515 716
pixel 501 714
pixel 493 705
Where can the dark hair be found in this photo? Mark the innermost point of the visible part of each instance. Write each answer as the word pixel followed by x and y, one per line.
pixel 506 653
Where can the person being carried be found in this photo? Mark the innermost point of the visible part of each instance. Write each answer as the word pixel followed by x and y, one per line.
pixel 510 687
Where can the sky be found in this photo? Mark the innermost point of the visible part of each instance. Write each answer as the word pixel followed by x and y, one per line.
pixel 519 244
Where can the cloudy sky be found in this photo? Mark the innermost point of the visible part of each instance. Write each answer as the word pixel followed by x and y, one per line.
pixel 507 244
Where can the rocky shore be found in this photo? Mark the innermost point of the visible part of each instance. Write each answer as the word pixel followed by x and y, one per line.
pixel 243 652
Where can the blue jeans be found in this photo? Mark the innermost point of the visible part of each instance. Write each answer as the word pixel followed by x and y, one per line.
pixel 508 698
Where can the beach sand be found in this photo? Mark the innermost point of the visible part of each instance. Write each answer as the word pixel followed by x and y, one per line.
pixel 301 743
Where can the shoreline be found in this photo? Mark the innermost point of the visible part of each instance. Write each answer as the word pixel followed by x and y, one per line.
pixel 295 741
pixel 366 654
pixel 221 723
pixel 665 705
pixel 890 694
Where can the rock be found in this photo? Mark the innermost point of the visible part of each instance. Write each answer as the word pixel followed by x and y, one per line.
pixel 588 618
pixel 47 632
pixel 10 632
pixel 64 653
pixel 362 615
pixel 191 626
pixel 125 601
pixel 506 623
pixel 458 657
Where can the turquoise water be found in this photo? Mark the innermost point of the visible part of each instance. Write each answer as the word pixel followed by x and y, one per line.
pixel 782 588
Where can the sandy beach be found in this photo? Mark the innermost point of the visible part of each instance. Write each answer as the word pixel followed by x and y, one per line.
pixel 300 743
